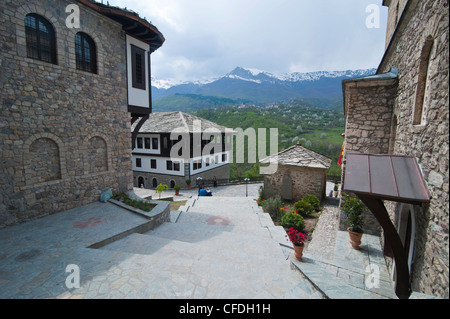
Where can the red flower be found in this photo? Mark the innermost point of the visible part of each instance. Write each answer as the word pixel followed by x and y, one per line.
pixel 296 237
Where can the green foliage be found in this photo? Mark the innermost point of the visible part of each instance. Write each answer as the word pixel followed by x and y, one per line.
pixel 191 102
pixel 273 207
pixel 188 182
pixel 177 187
pixel 304 208
pixel 316 126
pixel 139 204
pixel 161 188
pixel 354 208
pixel 293 220
pixel 312 200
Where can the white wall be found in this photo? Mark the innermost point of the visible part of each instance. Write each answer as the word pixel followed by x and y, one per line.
pixel 150 150
pixel 161 165
pixel 137 97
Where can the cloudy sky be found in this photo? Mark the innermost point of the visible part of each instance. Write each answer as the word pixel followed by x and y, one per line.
pixel 209 38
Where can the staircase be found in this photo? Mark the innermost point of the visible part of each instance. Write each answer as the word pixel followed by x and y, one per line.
pixel 220 247
pixel 337 270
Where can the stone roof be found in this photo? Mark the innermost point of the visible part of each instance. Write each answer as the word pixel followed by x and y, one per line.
pixel 167 122
pixel 297 155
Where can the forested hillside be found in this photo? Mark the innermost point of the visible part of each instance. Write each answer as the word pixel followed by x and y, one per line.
pixel 315 128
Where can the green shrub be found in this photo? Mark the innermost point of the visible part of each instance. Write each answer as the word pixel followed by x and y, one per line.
pixel 293 220
pixel 313 200
pixel 354 209
pixel 273 207
pixel 304 208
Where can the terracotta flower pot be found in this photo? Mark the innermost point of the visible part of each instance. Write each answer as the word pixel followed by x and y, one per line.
pixel 355 238
pixel 298 252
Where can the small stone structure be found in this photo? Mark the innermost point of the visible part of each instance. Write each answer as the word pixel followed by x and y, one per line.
pixel 300 172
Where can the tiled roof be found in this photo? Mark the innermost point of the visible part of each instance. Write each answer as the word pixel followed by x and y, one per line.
pixel 297 155
pixel 167 122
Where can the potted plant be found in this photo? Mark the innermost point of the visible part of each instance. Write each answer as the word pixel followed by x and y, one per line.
pixel 335 190
pixel 177 189
pixel 298 240
pixel 188 183
pixel 354 208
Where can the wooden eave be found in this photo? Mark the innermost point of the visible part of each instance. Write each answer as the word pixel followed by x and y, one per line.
pixel 131 22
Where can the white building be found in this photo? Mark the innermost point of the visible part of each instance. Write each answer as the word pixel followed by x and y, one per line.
pixel 172 147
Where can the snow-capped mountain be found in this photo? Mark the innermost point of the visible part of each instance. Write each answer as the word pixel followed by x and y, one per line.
pixel 260 86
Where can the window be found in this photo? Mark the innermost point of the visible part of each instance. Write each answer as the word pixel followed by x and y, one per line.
pixel 176 166
pixel 138 67
pixel 224 158
pixel 153 164
pixel 147 143
pixel 197 164
pixel 169 165
pixel 138 162
pixel 419 114
pixel 155 143
pixel 139 142
pixel 40 38
pixel 85 53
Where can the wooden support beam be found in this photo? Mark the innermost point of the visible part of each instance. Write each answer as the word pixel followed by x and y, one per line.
pixel 392 239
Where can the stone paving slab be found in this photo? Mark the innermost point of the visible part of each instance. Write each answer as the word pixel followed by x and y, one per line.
pixel 34 257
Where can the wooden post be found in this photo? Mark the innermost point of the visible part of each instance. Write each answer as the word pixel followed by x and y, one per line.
pixel 376 206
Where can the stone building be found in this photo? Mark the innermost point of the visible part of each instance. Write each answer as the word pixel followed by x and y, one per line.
pixel 300 172
pixel 73 75
pixel 159 159
pixel 403 110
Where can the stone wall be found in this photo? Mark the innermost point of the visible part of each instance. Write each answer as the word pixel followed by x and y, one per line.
pixel 64 133
pixel 293 183
pixel 221 172
pixel 429 141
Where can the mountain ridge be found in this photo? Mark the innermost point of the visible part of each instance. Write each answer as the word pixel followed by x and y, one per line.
pixel 257 86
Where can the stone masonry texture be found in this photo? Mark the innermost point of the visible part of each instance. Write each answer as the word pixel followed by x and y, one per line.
pixel 388 128
pixel 64 133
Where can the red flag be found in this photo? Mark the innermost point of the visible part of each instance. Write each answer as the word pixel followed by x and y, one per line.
pixel 340 156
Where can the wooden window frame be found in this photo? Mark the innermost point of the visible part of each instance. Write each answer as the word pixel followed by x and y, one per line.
pixel 138 66
pixel 86 55
pixel 40 46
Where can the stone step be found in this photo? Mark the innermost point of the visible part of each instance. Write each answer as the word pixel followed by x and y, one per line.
pixel 160 247
pixel 258 263
pixel 338 283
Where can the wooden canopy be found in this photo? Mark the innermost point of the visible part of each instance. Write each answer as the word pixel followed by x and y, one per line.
pixel 374 178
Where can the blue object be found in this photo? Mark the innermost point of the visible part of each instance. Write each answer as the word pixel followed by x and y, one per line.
pixel 202 192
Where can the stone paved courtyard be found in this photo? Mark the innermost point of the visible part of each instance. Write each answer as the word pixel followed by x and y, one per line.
pixel 216 247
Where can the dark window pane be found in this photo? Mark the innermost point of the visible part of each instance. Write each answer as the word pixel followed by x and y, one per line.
pixel 40 38
pixel 86 54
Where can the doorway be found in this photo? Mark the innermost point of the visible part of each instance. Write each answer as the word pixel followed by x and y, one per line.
pixel 406 229
pixel 141 183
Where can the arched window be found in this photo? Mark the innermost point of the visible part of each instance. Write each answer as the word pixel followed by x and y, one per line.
pixel 85 52
pixel 419 114
pixel 154 182
pixel 40 38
